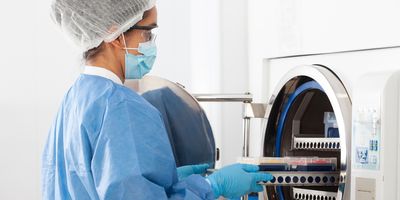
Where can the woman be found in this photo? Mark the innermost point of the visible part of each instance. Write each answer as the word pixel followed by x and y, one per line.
pixel 107 142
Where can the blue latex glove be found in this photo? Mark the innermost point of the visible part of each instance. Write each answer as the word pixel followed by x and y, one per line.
pixel 237 180
pixel 188 170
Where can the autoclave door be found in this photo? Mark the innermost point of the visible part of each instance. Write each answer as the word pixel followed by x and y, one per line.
pixel 310 117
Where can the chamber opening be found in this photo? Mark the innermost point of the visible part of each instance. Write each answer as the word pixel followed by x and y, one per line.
pixel 301 124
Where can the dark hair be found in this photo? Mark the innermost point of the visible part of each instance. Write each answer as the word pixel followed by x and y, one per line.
pixel 91 53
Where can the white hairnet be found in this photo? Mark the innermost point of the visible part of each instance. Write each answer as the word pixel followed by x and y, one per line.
pixel 90 22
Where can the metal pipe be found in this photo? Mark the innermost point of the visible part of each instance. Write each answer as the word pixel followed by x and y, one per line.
pixel 246 137
pixel 247 97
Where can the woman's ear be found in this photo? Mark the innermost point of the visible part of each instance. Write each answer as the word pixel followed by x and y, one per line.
pixel 118 43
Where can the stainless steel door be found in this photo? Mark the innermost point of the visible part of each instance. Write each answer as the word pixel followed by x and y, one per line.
pixel 328 96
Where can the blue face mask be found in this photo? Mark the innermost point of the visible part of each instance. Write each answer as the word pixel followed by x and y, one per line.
pixel 136 66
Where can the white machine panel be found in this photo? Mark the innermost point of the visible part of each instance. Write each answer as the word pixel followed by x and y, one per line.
pixel 372 81
pixel 375 136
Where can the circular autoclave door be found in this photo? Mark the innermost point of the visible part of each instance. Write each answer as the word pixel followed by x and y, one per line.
pixel 310 116
pixel 187 126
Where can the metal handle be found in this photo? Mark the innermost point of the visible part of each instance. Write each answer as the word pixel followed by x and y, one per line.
pixel 250 110
pixel 247 97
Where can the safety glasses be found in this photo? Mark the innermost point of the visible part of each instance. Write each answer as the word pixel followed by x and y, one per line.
pixel 147 32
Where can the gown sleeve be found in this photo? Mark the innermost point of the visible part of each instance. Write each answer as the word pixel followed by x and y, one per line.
pixel 133 159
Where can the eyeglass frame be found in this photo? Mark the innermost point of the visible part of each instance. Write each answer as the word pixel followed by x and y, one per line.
pixel 145 28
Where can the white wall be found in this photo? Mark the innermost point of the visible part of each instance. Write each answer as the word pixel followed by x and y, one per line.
pixel 202 44
pixel 234 76
pixel 290 27
pixel 37 67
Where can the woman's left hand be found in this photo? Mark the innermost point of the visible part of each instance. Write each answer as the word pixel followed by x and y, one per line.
pixel 185 171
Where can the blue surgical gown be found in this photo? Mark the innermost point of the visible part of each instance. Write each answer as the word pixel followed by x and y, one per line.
pixel 107 142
